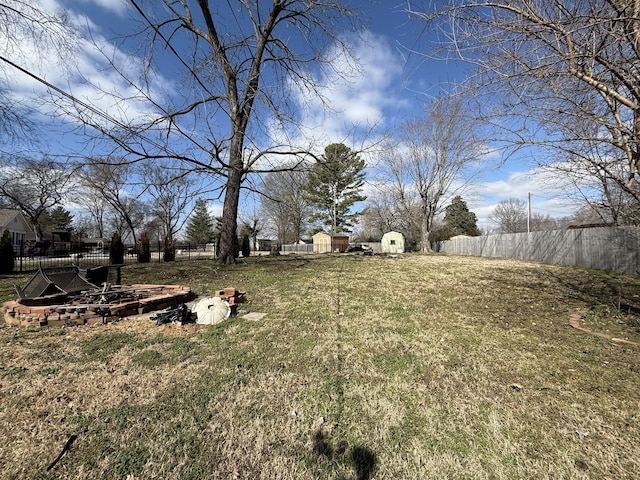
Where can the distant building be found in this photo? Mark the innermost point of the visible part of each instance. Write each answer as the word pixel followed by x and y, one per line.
pixel 326 243
pixel 392 242
pixel 14 221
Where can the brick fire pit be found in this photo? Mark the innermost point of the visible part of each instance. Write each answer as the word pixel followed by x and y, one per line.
pixel 98 306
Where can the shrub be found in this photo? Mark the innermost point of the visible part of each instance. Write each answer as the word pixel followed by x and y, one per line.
pixel 7 255
pixel 143 249
pixel 116 250
pixel 169 250
pixel 246 246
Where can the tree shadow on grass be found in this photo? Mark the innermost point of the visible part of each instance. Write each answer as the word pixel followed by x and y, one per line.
pixel 362 459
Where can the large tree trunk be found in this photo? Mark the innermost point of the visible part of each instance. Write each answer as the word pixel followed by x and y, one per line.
pixel 228 237
pixel 425 243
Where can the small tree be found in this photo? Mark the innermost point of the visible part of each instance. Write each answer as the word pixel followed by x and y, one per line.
pixel 144 249
pixel 460 220
pixel 246 245
pixel 334 185
pixel 7 255
pixel 116 250
pixel 200 225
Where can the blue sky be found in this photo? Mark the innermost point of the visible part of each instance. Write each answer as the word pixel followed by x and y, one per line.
pixel 396 81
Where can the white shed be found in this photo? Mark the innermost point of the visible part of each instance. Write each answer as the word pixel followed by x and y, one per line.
pixel 392 242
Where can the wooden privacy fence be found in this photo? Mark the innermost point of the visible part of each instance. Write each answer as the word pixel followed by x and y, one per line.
pixel 610 248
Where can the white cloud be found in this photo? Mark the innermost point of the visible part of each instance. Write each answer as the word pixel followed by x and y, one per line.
pixel 83 72
pixel 358 93
pixel 119 7
pixel 545 199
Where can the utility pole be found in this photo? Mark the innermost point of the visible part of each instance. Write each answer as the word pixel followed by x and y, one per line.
pixel 529 215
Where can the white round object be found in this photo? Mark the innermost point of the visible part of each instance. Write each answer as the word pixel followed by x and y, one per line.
pixel 211 310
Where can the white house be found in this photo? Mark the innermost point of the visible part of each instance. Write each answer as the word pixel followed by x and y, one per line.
pixel 392 242
pixel 14 221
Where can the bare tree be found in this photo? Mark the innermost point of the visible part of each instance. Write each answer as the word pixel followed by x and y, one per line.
pixel 560 74
pixel 172 192
pixel 110 178
pixel 432 158
pixel 242 60
pixel 510 216
pixel 97 207
pixel 285 203
pixel 27 23
pixel 33 186
pixel 380 215
pixel 593 178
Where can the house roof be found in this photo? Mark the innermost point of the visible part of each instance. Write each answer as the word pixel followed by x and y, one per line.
pixel 8 215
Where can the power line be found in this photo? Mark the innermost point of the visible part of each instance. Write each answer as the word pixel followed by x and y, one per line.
pixel 76 100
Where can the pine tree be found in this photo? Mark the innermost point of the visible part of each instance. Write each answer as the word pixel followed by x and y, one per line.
pixel 116 249
pixel 169 248
pixel 459 220
pixel 334 185
pixel 144 248
pixel 200 225
pixel 61 219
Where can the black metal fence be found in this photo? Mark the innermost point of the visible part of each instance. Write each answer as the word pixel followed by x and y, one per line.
pixel 27 259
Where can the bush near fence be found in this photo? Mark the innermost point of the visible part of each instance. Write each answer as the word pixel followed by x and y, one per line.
pixel 605 248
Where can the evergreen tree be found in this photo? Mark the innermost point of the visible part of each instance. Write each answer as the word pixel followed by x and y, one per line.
pixel 144 248
pixel 247 233
pixel 334 185
pixel 245 245
pixel 7 255
pixel 61 219
pixel 200 225
pixel 116 250
pixel 459 220
pixel 58 221
pixel 169 249
pixel 61 223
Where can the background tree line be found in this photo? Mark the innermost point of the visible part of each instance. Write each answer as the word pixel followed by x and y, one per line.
pixel 581 112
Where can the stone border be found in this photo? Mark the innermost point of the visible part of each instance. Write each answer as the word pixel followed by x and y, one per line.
pixel 574 321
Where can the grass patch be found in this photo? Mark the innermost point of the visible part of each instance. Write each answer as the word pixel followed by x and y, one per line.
pixel 13 372
pixel 101 346
pixel 148 359
pixel 363 367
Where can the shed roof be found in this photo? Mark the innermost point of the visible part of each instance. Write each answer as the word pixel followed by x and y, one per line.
pixel 335 235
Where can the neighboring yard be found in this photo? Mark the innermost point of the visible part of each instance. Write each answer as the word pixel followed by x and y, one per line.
pixel 363 368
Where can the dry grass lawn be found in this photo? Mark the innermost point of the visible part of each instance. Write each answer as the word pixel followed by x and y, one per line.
pixel 363 368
